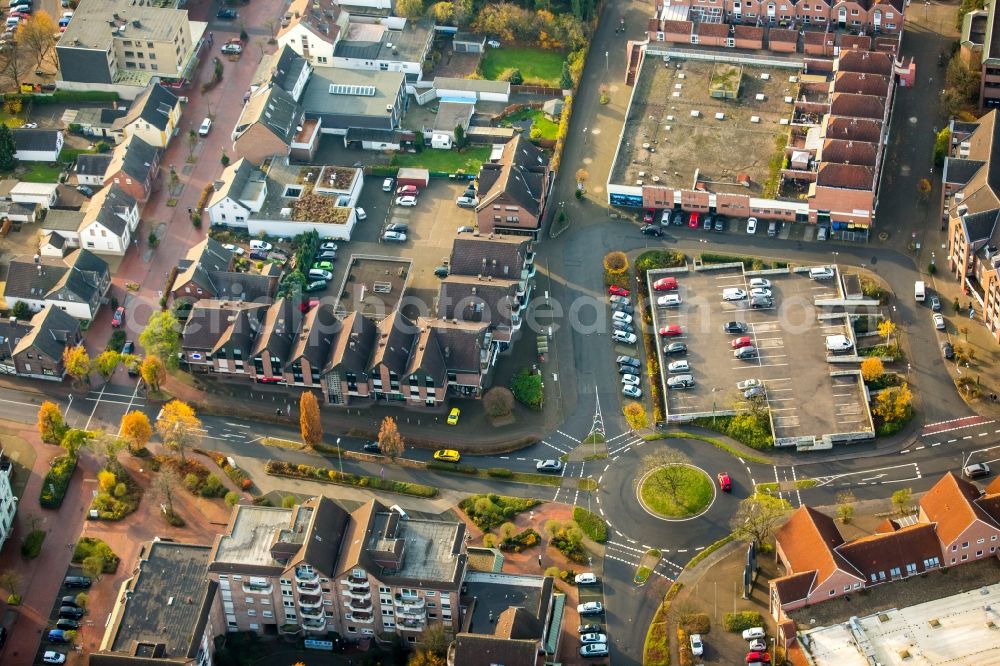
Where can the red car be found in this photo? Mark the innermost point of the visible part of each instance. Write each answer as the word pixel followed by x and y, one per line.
pixel 693 221
pixel 670 331
pixel 647 217
pixel 725 483
pixel 119 318
pixel 306 306
pixel 758 657
pixel 407 190
pixel 615 290
pixel 738 343
pixel 665 284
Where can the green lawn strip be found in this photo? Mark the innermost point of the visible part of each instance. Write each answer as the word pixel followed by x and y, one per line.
pixel 718 443
pixel 708 550
pixel 323 475
pixel 40 172
pixel 594 438
pixel 646 566
pixel 591 524
pixel 548 129
pixel 772 487
pixel 695 493
pixel 280 443
pixel 444 161
pixel 537 67
pixel 656 649
pixel 497 473
pixel 587 484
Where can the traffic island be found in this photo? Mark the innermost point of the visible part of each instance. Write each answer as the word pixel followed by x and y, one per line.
pixel 676 492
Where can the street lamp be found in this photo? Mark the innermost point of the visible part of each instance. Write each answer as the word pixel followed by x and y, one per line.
pixel 340 461
pixel 606 60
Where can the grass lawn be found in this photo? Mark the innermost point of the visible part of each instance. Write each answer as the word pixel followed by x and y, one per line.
pixel 538 67
pixel 445 161
pixel 694 495
pixel 548 128
pixel 41 172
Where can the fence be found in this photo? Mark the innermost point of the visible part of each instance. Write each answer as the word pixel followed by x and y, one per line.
pixel 537 90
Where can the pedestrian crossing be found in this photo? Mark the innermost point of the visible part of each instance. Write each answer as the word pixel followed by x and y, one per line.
pixel 632 553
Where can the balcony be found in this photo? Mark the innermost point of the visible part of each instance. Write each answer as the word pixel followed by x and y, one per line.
pixel 362 618
pixel 314 625
pixel 310 601
pixel 355 582
pixel 358 605
pixel 305 576
pixel 310 613
pixel 307 588
pixel 410 624
pixel 357 593
pixel 250 588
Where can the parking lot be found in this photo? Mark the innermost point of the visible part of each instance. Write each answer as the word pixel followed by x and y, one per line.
pixel 791 359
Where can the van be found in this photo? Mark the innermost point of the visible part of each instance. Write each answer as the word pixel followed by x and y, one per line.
pixel 206 125
pixel 772 229
pixel 919 290
pixel 821 234
pixel 838 343
pixel 821 273
pixel 398 509
pixel 669 301
pixel 320 274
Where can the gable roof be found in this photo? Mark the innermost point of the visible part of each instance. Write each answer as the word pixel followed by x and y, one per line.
pixel 846 176
pixel 277 330
pixel 213 324
pixel 352 343
pixel 234 179
pixel 51 329
pixel 201 261
pixel 809 540
pixel 869 62
pixel 95 164
pixel 794 587
pixel 109 207
pixel 852 129
pixel 326 530
pixel 393 343
pixel 951 503
pixel 878 553
pixel 77 276
pixel 425 357
pixel 134 157
pixel 849 152
pixel 36 139
pixel 468 298
pixel 461 343
pixel 499 255
pixel 314 337
pixel 274 109
pixel 484 650
pixel 520 174
pixel 319 17
pixel 452 114
pixel 153 105
pixel 287 69
pixel 857 106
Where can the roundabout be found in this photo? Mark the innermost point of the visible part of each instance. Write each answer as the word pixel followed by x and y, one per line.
pixel 677 492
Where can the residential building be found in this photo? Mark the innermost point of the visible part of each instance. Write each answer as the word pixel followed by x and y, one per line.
pixel 274 341
pixel 122 46
pixel 273 123
pixel 90 168
pixel 37 145
pixel 956 523
pixel 98 122
pixel 109 224
pixel 42 195
pixel 8 503
pixel 449 117
pixel 980 49
pixel 134 167
pixel 310 347
pixel 312 30
pixel 513 189
pixel 971 210
pixel 315 568
pixel 393 44
pixel 379 139
pixel 75 284
pixel 209 271
pixel 344 99
pixel 285 69
pixel 167 611
pixel 218 336
pixel 60 231
pixel 239 192
pixel 153 117
pixel 34 349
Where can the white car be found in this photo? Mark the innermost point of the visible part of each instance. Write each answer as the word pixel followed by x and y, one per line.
pixel 697 647
pixel 234 249
pixel 632 392
pixel 758 645
pixel 590 608
pixel 394 237
pixel 821 273
pixel 53 657
pixel 760 292
pixel 406 201
pixel 630 380
pixel 206 125
pixel 938 321
pixel 361 214
pixel 329 245
pixel 260 245
pixel 760 283
pixel 679 366
pixel 387 185
pixel 669 301
pixel 748 384
pixel 549 465
pixel 733 294
pixel 836 343
pixel 586 579
pixel 751 225
pixel 623 337
pixel 680 382
pixel 593 638
pixel 754 632
pixel 621 318
pixel 594 650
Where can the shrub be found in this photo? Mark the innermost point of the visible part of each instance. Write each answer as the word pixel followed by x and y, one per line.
pixel 452 467
pixel 739 622
pixel 520 541
pixel 279 468
pixel 696 623
pixel 489 511
pixel 212 487
pixel 232 498
pixel 591 524
pixel 57 481
pixel 616 262
pixel 14 599
pixel 91 547
pixel 500 473
pixel 527 389
pixel 750 429
pixel 498 402
pixel 32 545
pixel 173 519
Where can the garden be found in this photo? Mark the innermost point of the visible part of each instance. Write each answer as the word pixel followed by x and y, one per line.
pixel 118 494
pixel 541 127
pixel 537 67
pixel 467 160
pixel 489 511
pixel 324 475
pixel 56 481
pixel 95 556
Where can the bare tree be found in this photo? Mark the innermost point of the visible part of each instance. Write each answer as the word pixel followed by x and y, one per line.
pixel 164 484
pixel 757 516
pixel 666 471
pixel 15 63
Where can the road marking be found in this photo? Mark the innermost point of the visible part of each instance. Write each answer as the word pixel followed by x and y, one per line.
pixel 567 436
pixel 904 451
pixel 918 448
pixel 237 425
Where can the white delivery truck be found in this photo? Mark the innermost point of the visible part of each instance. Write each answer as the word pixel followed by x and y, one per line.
pixel 919 290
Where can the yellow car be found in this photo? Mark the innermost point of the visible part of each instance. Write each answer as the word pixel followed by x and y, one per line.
pixel 447 455
pixel 453 416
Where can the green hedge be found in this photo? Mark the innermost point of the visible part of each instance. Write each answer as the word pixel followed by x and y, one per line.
pixel 324 475
pixel 749 263
pixel 527 389
pixel 591 524
pixel 56 482
pixel 500 473
pixel 439 466
pixel 89 546
pixel 66 97
pixel 32 545
pixel 739 622
pixel 746 428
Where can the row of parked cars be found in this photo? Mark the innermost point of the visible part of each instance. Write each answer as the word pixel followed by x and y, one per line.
pixel 623 332
pixel 593 639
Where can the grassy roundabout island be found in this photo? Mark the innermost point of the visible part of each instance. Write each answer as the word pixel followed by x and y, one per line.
pixel 676 491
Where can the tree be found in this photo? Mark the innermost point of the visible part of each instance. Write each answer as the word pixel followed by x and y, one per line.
pixel 309 421
pixel 135 430
pixel 886 328
pixel 872 368
pixel 512 75
pixel 442 12
pixel 635 415
pixel 164 484
pixel 757 516
pixel 232 498
pixel 390 442
pixel 461 141
pixel 616 262
pixel 942 142
pixel 964 354
pixel 106 480
pixel 288 501
pixel 902 500
pixel 893 404
pixel 107 362
pixel 435 640
pixel 845 506
pixel 192 139
pixel 93 566
pixel 16 64
pixel 581 177
pixel 21 311
pixel 77 363
pixel 423 657
pixel 51 425
pixel 162 337
pixel 11 581
pixel 670 475
pixel 74 440
pixel 153 372
pixel 107 446
pixel 178 427
pixel 566 78
pixel 36 35
pixel 498 402
pixel 924 188
pixel 410 8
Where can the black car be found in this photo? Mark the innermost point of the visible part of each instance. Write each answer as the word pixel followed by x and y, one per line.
pixel 77 581
pixel 675 348
pixel 735 327
pixel 627 370
pixel 651 230
pixel 590 629
pixel 629 360
pixel 260 255
pixel 84 190
pixel 627 308
pixel 71 612
pixel 947 350
pixel 69 601
pixel 229 14
pixel 66 624
pixel 371 447
pixel 396 226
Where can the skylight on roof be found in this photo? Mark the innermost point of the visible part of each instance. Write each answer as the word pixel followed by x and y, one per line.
pixel 341 89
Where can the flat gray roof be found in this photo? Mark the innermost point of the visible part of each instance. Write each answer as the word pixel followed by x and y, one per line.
pixel 250 540
pixel 317 98
pixel 428 555
pixel 495 593
pixel 90 28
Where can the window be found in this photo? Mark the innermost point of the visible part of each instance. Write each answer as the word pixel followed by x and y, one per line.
pixel 857 585
pixel 384 590
pixel 288 603
pixel 881 575
pixel 965 557
pixel 847 588
pixel 911 569
pixel 430 593
pixel 965 544
pixel 895 572
pixel 979 553
pixel 267 613
pixel 249 600
pixel 352 630
pixel 874 578
pixel 954 547
pixel 252 613
pixel 981 541
pixel 833 592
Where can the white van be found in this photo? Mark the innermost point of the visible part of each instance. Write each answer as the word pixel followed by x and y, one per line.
pixel 919 290
pixel 838 343
pixel 821 273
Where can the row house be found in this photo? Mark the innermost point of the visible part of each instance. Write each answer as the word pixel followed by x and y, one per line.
pixel 513 190
pixel 134 167
pixel 218 336
pixel 110 221
pixel 34 349
pixel 209 271
pixel 75 284
pixel 956 523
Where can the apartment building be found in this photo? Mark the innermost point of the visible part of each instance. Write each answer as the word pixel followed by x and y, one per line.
pixel 513 190
pixel 8 503
pixel 868 16
pixel 315 568
pixel 979 49
pixel 122 46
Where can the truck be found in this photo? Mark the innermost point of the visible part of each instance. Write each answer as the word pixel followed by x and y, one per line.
pixel 919 290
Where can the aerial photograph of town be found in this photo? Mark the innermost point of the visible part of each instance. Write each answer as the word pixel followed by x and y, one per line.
pixel 571 332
